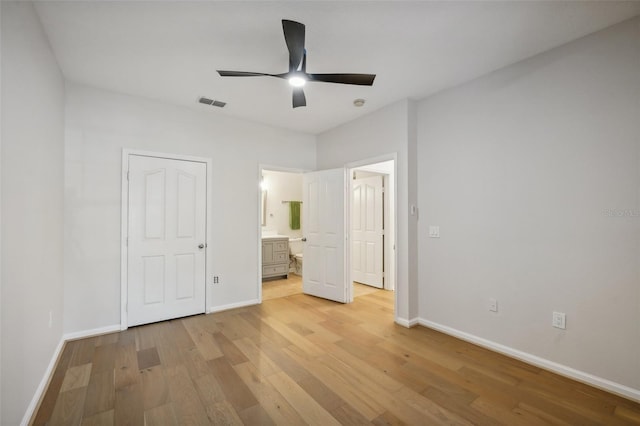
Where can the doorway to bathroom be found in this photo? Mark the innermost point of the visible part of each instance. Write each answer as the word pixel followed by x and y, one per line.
pixel 370 228
pixel 281 231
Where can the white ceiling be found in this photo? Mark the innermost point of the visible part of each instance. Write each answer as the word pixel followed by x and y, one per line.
pixel 169 50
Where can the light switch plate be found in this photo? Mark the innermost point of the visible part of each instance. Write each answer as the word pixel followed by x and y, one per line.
pixel 434 231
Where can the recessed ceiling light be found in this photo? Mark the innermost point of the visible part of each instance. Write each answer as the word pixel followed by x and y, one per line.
pixel 358 102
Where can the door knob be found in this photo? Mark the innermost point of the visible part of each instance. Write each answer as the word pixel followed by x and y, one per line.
pixel 304 239
pixel 201 246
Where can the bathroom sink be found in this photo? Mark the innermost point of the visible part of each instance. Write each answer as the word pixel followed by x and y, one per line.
pixel 268 236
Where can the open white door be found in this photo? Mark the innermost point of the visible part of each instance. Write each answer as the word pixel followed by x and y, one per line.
pixel 166 239
pixel 323 208
pixel 367 231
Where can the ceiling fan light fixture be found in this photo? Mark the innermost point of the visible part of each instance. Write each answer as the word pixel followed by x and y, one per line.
pixel 297 81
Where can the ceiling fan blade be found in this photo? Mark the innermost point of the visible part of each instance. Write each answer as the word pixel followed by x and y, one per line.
pixel 294 36
pixel 247 74
pixel 299 99
pixel 359 79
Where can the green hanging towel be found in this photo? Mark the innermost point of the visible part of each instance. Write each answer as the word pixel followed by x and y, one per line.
pixel 294 214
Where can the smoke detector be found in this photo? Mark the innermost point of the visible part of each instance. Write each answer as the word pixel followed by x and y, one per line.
pixel 358 102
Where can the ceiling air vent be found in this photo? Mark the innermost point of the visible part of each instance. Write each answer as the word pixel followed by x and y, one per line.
pixel 211 102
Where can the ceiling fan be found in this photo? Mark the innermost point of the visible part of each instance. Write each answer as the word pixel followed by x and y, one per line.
pixel 297 74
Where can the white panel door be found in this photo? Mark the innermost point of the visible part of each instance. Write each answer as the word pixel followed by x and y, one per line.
pixel 323 209
pixel 166 239
pixel 367 231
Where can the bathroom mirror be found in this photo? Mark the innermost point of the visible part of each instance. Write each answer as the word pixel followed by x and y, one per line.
pixel 263 209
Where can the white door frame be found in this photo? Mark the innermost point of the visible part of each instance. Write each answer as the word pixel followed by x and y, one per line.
pixel 349 166
pixel 124 209
pixel 261 168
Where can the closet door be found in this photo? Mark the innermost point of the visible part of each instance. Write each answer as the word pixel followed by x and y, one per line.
pixel 166 239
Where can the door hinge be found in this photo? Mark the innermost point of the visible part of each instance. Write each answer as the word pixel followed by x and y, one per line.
pixel 127 174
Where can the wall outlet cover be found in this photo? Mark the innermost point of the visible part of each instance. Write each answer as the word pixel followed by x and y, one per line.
pixel 493 305
pixel 559 320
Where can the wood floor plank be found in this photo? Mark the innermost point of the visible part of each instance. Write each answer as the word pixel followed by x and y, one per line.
pixel 500 415
pixel 209 389
pixel 129 407
pixel 629 414
pixel 195 363
pixel 387 419
pixel 304 360
pixel 235 327
pixel 282 358
pixel 155 391
pixel 368 408
pixel 258 358
pixel 69 407
pixel 83 351
pixel 106 418
pixel 301 401
pixel 347 415
pixel 187 405
pixel 231 352
pixel 428 408
pixel 204 341
pixel 162 415
pixel 126 370
pixel 237 393
pixel 100 393
pixel 103 357
pixel 76 377
pixel 268 397
pixel 321 393
pixel 267 333
pixel 148 358
pixel 223 413
pixel 304 344
pixel 462 406
pixel 256 415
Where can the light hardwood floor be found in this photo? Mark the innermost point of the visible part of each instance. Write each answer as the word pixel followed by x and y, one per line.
pixel 274 289
pixel 302 360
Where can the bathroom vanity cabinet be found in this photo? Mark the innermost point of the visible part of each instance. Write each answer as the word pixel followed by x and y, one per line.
pixel 275 257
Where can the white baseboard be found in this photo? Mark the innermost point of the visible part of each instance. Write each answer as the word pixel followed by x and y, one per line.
pixel 252 302
pixel 43 385
pixel 90 333
pixel 406 322
pixel 563 370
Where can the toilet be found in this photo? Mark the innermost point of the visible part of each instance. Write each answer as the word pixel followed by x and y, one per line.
pixel 296 249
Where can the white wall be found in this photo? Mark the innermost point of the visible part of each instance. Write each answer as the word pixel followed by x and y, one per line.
pixel 32 207
pixel 99 125
pixel 385 131
pixel 282 186
pixel 519 169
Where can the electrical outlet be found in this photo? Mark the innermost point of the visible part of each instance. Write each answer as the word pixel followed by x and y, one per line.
pixel 559 320
pixel 216 279
pixel 493 305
